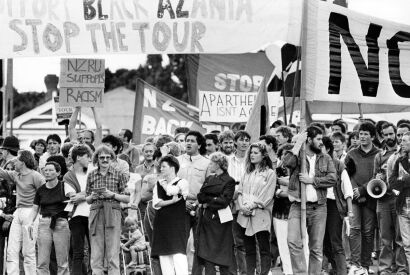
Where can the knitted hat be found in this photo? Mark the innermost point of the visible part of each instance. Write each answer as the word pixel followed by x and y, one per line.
pixel 11 143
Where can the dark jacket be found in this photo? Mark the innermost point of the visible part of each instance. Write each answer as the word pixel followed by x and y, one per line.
pixel 360 166
pixel 400 180
pixel 380 166
pixel 214 239
pixel 325 175
pixel 341 203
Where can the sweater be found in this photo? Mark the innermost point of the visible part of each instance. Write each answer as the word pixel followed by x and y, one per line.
pixel 360 167
pixel 26 185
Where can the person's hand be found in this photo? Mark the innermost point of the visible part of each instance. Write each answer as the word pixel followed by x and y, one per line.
pixel 108 194
pixel 77 198
pixel 304 178
pixel 189 206
pixel 379 176
pixel 123 247
pixel 175 198
pixel 356 193
pixel 164 150
pixel 8 217
pixel 347 222
pixel 30 229
pixel 5 226
pixel 95 196
pixel 283 181
pixel 133 206
pixel 300 140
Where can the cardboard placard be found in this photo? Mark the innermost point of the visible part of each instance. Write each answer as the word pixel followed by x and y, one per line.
pixel 82 82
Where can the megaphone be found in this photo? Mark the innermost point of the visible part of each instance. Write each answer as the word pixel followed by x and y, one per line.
pixel 376 188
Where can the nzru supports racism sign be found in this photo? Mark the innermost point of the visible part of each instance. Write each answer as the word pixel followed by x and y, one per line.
pixel 72 27
pixel 352 57
pixel 82 82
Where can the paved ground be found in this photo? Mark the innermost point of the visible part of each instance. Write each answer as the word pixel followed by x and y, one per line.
pixel 278 271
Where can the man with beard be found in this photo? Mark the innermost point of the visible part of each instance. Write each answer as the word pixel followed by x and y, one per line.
pixel 391 248
pixel 319 176
pixel 400 182
pixel 360 166
pixel 226 141
pixel 401 129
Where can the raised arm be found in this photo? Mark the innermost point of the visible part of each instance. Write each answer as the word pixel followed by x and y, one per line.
pixel 98 129
pixel 72 132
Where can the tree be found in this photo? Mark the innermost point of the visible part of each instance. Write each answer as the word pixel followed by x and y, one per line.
pixel 170 79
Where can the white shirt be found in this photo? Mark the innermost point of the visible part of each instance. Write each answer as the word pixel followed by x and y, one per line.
pixel 236 167
pixel 182 184
pixel 311 194
pixel 346 185
pixel 83 208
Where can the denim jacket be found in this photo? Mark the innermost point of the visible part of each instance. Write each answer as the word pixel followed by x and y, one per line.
pixel 325 175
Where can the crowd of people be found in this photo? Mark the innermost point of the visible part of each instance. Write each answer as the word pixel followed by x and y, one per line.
pixel 202 204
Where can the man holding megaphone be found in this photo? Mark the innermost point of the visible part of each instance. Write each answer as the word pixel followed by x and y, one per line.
pixel 379 188
pixel 360 166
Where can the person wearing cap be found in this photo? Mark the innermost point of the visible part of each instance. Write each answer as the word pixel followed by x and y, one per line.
pixel 9 149
pixel 53 142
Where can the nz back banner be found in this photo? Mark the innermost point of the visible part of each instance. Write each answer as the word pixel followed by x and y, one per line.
pixel 351 57
pixel 157 113
pixel 226 85
pixel 91 27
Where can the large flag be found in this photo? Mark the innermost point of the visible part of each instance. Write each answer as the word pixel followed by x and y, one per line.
pixel 158 113
pixel 258 122
pixel 355 58
pixel 224 87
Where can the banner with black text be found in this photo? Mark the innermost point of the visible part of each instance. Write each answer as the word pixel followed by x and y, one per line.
pixel 351 57
pixel 90 27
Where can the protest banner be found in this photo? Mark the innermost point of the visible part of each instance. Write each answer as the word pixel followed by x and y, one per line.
pixel 227 85
pixel 62 112
pixel 82 82
pixel 158 113
pixel 89 27
pixel 352 57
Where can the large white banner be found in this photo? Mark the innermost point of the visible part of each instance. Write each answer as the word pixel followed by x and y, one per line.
pixel 351 57
pixel 90 27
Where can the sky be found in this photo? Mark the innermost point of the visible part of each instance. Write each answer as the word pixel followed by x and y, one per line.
pixel 29 73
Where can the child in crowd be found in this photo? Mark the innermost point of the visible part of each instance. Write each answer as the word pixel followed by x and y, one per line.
pixel 135 241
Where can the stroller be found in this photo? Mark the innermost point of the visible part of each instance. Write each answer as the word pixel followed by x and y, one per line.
pixel 144 265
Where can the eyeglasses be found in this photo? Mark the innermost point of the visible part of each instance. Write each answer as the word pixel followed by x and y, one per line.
pixel 104 157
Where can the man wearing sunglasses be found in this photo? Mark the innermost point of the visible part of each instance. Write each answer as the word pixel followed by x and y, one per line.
pixel 105 190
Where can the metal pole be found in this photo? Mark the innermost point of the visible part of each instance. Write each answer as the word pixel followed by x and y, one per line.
pixel 284 101
pixel 302 154
pixel 7 91
pixel 295 84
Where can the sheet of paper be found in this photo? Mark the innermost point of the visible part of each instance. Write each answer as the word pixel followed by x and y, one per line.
pixel 69 207
pixel 225 215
